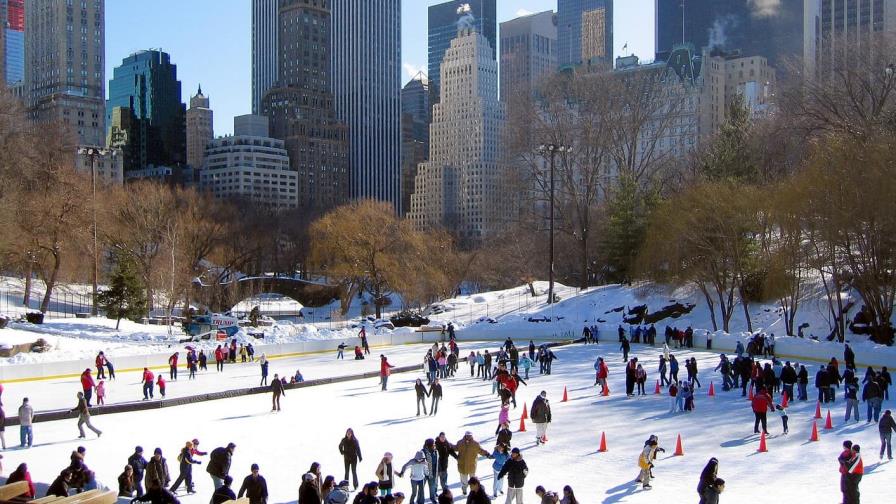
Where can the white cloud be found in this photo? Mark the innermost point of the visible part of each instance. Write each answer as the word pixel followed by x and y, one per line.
pixel 523 12
pixel 412 70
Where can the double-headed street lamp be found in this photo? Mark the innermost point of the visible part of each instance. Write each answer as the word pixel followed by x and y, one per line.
pixel 550 151
pixel 93 153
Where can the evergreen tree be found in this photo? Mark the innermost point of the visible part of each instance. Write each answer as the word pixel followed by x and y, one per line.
pixel 624 229
pixel 125 297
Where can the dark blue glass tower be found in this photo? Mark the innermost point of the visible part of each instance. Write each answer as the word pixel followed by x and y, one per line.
pixel 584 32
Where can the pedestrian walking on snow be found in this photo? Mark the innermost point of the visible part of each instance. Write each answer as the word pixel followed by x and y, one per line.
pixel 84 417
pixel 277 390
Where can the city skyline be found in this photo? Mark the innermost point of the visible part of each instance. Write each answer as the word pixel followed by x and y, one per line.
pixel 223 64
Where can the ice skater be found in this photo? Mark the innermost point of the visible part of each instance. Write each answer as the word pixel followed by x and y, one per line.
pixel 277 390
pixel 541 417
pixel 646 460
pixel 84 417
pixel 422 394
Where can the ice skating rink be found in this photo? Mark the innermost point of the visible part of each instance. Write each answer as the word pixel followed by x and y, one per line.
pixel 314 420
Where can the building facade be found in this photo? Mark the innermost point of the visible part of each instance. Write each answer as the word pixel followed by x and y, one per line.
pixel 828 24
pixel 65 66
pixel 300 106
pixel 585 32
pixel 773 30
pixel 145 86
pixel 12 26
pixel 200 128
pixel 460 187
pixel 415 120
pixel 443 25
pixel 250 165
pixel 264 49
pixel 528 53
pixel 366 65
pixel 732 76
pixel 109 166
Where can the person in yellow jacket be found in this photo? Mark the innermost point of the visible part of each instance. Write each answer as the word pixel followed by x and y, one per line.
pixel 645 460
pixel 468 451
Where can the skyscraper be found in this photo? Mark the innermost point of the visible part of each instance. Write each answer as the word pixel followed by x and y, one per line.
pixel 264 49
pixel 828 23
pixel 585 32
pixel 366 59
pixel 13 41
pixel 415 119
pixel 3 15
pixel 65 65
pixel 146 88
pixel 460 187
pixel 528 53
pixel 443 29
pixel 300 106
pixel 200 129
pixel 772 29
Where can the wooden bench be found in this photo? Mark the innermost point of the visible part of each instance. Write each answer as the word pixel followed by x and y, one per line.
pixel 47 500
pixel 244 500
pixel 107 497
pixel 79 497
pixel 12 490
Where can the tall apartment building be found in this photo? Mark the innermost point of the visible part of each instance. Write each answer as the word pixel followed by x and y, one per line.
pixel 528 53
pixel 366 64
pixel 250 165
pixel 13 41
pixel 830 24
pixel 771 29
pixel 200 128
pixel 300 105
pixel 3 15
pixel 460 187
pixel 415 120
pixel 730 76
pixel 443 24
pixel 65 65
pixel 265 62
pixel 146 89
pixel 585 32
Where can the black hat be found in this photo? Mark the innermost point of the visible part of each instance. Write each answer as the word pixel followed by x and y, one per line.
pixel 515 450
pixel 157 451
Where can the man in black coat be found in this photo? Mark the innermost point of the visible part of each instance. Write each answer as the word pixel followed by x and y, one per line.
pixel 351 455
pixel 225 493
pixel 219 464
pixel 541 416
pixel 516 471
pixel 788 378
pixel 445 449
pixel 138 463
pixel 254 487
pixel 277 390
pixel 478 494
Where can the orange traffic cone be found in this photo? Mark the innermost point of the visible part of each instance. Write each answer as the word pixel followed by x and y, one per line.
pixel 828 424
pixel 712 390
pixel 814 431
pixel 818 411
pixel 657 389
pixel 762 447
pixel 750 396
pixel 525 413
pixel 679 451
pixel 565 397
pixel 784 400
pixel 605 392
pixel 603 442
pixel 522 425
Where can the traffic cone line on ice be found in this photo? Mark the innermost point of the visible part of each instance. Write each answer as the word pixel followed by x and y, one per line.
pixel 525 412
pixel 784 400
pixel 762 447
pixel 656 391
pixel 828 424
pixel 522 425
pixel 603 442
pixel 679 450
pixel 712 390
pixel 814 436
pixel 818 410
pixel 565 397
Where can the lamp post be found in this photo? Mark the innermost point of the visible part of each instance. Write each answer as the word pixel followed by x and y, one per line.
pixel 550 151
pixel 92 153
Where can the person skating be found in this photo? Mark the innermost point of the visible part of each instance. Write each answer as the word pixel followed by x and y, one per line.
pixel 432 461
pixel 625 347
pixel 224 493
pixel 219 464
pixel 385 371
pixel 138 463
pixel 263 363
pixel 541 417
pixel 516 470
pixel 500 455
pixel 100 363
pixel 340 351
pixel 157 471
pixel 446 451
pixel 422 394
pixel 886 427
pixel 309 490
pixel 546 496
pixel 148 384
pixel 478 495
pixel 384 474
pixel 219 358
pixel 126 484
pixel 468 451
pixel 710 485
pixel 185 473
pixel 850 393
pixel 783 411
pixel 646 459
pixel 435 392
pixel 872 396
pixel 569 497
pixel 419 473
pixel 157 494
pixel 84 417
pixel 762 403
pixel 351 455
pixel 854 471
pixel 277 390
pixel 254 487
pixel 172 366
pixel 640 379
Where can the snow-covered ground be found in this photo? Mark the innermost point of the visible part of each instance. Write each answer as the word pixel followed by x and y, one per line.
pixel 314 419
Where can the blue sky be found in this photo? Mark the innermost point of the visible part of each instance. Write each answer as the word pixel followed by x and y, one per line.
pixel 209 41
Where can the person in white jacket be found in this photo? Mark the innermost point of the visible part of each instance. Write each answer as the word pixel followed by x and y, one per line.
pixel 419 473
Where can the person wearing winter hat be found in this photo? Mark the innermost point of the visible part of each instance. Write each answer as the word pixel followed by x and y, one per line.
pixel 255 487
pixel 224 493
pixel 477 493
pixel 468 450
pixel 339 495
pixel 516 471
pixel 384 474
pixel 419 472
pixel 308 490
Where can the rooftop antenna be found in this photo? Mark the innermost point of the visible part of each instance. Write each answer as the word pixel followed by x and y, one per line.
pixel 682 22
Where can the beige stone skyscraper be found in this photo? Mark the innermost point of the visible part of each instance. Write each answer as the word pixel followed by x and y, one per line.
pixel 200 129
pixel 460 187
pixel 65 65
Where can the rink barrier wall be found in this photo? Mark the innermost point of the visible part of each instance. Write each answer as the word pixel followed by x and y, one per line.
pixel 133 406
